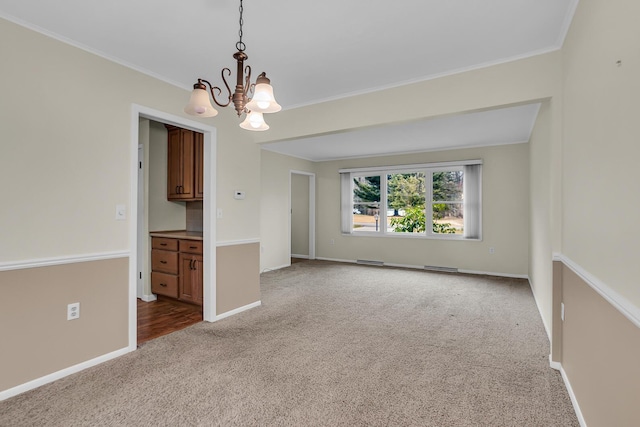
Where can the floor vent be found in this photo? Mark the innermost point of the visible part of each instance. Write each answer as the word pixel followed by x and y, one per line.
pixel 369 262
pixel 436 268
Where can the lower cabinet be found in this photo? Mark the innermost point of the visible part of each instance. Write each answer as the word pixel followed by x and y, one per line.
pixel 191 278
pixel 176 268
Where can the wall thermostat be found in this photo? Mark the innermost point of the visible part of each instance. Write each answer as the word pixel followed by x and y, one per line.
pixel 238 195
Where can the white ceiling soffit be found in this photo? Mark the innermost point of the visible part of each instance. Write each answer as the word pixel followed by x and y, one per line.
pixel 311 51
pixel 494 127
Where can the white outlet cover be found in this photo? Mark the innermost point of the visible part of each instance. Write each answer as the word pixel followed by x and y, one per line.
pixel 73 311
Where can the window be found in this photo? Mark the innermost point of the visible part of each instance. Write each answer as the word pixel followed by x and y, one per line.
pixel 432 200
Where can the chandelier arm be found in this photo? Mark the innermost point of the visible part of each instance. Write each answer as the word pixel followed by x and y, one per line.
pixel 220 90
pixel 213 95
pixel 247 83
pixel 251 91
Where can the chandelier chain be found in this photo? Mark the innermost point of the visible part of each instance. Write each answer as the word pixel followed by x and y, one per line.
pixel 240 45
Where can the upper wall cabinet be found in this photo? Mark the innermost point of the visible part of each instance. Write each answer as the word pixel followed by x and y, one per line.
pixel 185 164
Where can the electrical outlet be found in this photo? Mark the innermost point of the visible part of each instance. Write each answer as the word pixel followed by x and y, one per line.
pixel 492 250
pixel 73 311
pixel 333 242
pixel 219 213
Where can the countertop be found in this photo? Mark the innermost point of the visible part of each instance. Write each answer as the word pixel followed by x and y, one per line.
pixel 178 234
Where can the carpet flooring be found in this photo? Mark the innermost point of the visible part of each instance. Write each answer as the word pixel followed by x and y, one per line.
pixel 332 345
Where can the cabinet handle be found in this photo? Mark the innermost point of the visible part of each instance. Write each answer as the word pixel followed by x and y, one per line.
pixel 163 284
pixel 181 189
pixel 195 264
pixel 163 244
pixel 163 262
pixel 193 247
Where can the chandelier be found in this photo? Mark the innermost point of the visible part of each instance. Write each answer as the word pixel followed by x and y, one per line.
pixel 250 99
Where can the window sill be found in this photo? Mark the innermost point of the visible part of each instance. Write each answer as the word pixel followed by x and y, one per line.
pixel 453 237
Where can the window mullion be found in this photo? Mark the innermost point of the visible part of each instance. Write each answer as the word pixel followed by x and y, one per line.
pixel 383 203
pixel 428 213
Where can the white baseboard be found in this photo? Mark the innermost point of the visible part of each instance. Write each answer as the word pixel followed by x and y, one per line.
pixel 421 267
pixel 278 267
pixel 149 298
pixel 350 261
pixel 574 400
pixel 493 273
pixel 299 256
pixel 14 391
pixel 555 365
pixel 238 310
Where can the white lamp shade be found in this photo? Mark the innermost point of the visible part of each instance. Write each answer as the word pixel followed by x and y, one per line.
pixel 263 100
pixel 200 105
pixel 254 121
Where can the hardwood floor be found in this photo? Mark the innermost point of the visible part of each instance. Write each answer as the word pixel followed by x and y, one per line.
pixel 166 315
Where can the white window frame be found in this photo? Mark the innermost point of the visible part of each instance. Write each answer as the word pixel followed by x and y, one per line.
pixel 428 169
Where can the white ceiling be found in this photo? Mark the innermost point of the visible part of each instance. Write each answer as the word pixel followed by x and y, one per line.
pixel 495 127
pixel 311 50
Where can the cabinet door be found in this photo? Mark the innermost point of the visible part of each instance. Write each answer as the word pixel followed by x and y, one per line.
pixel 199 163
pixel 174 164
pixel 180 164
pixel 191 278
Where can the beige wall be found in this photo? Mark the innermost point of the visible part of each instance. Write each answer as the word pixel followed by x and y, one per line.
pixel 600 348
pixel 299 214
pixel 505 205
pixel 69 166
pixel 513 82
pixel 601 143
pixel 37 338
pixel 600 354
pixel 540 203
pixel 274 207
pixel 237 276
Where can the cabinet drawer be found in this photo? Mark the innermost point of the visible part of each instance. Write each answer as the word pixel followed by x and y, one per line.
pixel 164 243
pixel 164 261
pixel 191 246
pixel 164 284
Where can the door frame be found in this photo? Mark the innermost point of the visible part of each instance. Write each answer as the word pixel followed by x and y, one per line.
pixel 208 205
pixel 140 218
pixel 312 211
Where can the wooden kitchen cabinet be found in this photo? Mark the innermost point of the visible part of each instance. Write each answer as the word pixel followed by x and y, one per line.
pixel 199 165
pixel 185 161
pixel 177 268
pixel 191 278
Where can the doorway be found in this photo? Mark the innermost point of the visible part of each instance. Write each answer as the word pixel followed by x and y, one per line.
pixel 136 270
pixel 302 215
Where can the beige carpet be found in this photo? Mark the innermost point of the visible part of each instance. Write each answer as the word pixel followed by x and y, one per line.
pixel 331 345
